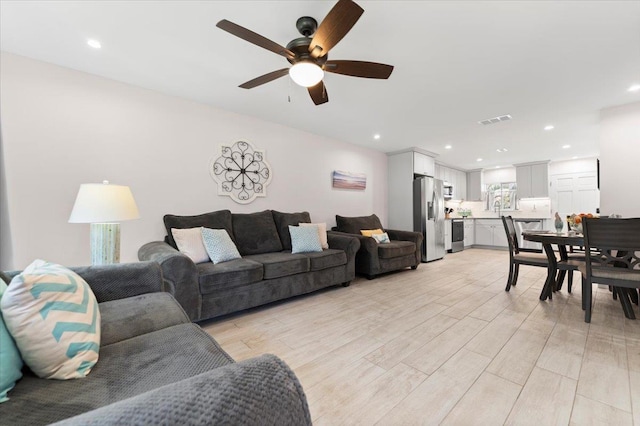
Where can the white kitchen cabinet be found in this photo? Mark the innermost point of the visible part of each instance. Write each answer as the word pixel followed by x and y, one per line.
pixel 490 233
pixel 447 235
pixel 423 164
pixel 438 172
pixel 469 232
pixel 533 180
pixel 401 168
pixel 460 186
pixel 474 185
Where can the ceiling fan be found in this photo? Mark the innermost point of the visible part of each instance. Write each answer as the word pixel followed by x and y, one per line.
pixel 308 55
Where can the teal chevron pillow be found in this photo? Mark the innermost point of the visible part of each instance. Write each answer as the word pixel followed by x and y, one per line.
pixel 53 316
pixel 304 239
pixel 10 361
pixel 219 246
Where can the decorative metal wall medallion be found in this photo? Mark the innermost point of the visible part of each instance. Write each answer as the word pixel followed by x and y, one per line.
pixel 241 171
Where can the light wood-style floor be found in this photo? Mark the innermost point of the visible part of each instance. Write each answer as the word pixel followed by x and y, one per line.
pixel 445 344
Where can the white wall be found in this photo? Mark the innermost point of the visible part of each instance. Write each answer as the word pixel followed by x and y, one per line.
pixel 620 160
pixel 61 128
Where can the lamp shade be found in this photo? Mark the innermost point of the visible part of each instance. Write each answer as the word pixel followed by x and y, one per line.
pixel 103 203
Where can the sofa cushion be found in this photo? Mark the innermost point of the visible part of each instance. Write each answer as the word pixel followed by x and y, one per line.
pixel 134 316
pixel 353 225
pixel 396 249
pixel 283 220
pixel 125 369
pixel 327 259
pixel 227 275
pixel 281 264
pixel 215 220
pixel 256 233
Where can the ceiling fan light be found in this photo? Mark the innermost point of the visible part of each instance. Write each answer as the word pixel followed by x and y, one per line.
pixel 306 74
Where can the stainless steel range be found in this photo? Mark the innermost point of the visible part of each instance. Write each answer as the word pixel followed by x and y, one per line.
pixel 457 235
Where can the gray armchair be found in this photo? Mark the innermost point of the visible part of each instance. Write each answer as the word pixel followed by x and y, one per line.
pixel 373 259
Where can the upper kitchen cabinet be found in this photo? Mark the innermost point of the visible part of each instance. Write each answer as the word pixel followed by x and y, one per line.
pixel 456 178
pixel 474 185
pixel 533 180
pixel 402 165
pixel 423 164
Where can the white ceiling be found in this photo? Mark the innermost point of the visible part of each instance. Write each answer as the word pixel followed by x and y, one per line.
pixel 456 62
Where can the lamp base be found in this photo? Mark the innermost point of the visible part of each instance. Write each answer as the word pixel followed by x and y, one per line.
pixel 105 243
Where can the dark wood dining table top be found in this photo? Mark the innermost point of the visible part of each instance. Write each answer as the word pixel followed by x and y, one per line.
pixel 562 238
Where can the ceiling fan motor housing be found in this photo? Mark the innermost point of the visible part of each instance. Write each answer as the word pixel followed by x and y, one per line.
pixel 307 26
pixel 300 47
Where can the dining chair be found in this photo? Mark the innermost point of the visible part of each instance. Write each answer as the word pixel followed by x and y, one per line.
pixel 520 256
pixel 612 250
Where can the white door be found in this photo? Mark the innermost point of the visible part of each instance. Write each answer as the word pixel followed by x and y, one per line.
pixel 574 193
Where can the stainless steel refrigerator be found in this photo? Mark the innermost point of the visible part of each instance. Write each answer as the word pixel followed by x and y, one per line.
pixel 428 216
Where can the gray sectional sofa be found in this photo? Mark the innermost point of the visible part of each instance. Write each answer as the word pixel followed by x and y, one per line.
pixel 267 271
pixel 157 367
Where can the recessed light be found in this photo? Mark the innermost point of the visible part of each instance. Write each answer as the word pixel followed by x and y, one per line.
pixel 376 136
pixel 502 150
pixel 575 157
pixel 549 127
pixel 497 167
pixel 634 88
pixel 566 146
pixel 94 43
pixel 479 159
pixel 448 147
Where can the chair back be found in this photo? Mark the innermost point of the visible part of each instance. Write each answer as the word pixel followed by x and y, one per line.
pixel 612 242
pixel 512 238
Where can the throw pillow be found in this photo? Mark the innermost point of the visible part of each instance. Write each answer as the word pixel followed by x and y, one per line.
pixel 370 232
pixel 220 219
pixel 283 220
pixel 53 316
pixel 219 246
pixel 4 277
pixel 381 238
pixel 304 239
pixel 189 242
pixel 322 233
pixel 10 361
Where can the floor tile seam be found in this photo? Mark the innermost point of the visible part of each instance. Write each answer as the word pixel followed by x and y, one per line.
pixel 456 352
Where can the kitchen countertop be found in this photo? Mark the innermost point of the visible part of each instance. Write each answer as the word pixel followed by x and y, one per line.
pixel 497 218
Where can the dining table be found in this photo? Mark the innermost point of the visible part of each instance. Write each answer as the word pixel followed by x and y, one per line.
pixel 556 269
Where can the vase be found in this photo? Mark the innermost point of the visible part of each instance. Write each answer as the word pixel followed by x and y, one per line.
pixel 559 225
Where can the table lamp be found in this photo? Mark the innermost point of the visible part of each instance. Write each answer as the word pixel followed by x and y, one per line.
pixel 103 206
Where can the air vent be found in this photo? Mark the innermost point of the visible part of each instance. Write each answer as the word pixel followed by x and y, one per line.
pixel 495 120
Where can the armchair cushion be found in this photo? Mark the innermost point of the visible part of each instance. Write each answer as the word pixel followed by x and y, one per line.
pixel 283 220
pixel 256 233
pixel 215 220
pixel 353 225
pixel 396 249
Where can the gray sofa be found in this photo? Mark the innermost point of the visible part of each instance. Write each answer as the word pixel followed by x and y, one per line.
pixel 374 259
pixel 267 271
pixel 156 367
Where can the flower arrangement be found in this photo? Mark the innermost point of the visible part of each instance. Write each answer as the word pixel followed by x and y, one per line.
pixel 575 220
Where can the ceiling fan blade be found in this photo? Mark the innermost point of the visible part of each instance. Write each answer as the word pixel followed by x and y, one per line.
pixel 254 38
pixel 335 25
pixel 359 69
pixel 318 93
pixel 265 78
